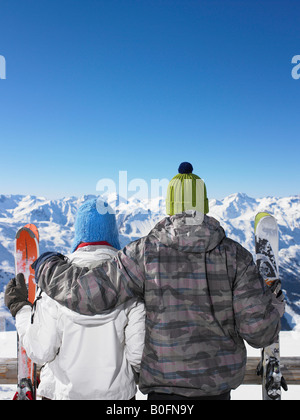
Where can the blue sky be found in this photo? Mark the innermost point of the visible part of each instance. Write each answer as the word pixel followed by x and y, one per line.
pixel 97 86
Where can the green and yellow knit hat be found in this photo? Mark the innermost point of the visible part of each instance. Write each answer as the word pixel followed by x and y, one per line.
pixel 186 191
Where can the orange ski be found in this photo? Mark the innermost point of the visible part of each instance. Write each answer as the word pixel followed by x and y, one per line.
pixel 26 252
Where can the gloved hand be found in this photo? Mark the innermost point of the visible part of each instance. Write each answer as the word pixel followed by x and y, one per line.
pixel 279 303
pixel 278 298
pixel 16 294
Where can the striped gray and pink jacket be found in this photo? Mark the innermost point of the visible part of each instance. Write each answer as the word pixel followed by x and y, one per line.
pixel 203 298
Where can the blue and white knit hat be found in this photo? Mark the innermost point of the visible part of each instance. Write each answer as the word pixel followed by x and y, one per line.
pixel 95 222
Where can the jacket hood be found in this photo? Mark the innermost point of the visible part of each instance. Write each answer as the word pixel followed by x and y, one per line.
pixel 190 231
pixel 91 256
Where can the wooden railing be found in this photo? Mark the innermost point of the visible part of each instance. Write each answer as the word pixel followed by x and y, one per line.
pixel 290 368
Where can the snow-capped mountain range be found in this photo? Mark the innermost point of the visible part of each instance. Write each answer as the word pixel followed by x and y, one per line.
pixel 236 213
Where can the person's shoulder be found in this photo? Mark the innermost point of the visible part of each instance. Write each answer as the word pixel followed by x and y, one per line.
pixel 135 248
pixel 45 303
pixel 236 248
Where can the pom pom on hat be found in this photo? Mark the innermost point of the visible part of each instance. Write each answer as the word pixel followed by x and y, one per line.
pixel 185 168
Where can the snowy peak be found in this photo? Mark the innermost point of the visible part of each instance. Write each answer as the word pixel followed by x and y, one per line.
pixel 236 204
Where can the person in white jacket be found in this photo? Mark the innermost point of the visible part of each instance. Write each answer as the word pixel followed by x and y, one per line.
pixel 86 357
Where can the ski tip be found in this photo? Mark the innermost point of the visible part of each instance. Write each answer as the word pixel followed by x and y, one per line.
pixel 260 216
pixel 31 229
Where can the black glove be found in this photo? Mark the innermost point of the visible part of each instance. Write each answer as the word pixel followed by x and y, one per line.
pixel 278 298
pixel 16 294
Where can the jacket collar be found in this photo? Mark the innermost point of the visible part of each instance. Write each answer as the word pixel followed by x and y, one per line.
pixel 83 244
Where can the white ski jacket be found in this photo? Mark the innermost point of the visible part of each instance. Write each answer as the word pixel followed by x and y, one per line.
pixel 88 357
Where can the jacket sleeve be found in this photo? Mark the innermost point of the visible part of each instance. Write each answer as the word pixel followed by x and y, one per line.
pixel 94 291
pixel 135 335
pixel 41 338
pixel 257 320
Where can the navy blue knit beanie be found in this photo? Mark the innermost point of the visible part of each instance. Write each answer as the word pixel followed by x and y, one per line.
pixel 95 222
